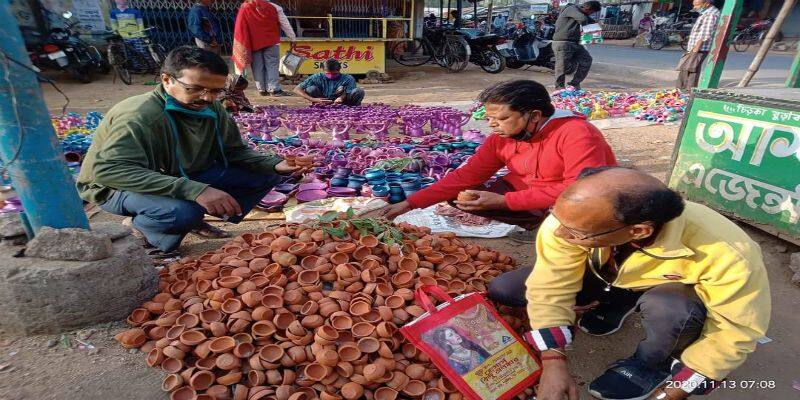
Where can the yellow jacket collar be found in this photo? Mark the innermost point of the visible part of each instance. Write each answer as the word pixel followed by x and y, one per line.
pixel 668 243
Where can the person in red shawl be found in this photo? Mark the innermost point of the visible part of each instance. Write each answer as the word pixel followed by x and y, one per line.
pixel 256 43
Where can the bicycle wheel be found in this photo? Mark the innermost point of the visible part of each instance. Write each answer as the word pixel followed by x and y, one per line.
pixel 412 54
pixel 456 53
pixel 495 63
pixel 741 42
pixel 123 73
pixel 659 40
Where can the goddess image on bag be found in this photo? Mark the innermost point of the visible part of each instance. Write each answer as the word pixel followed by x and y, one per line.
pixel 462 353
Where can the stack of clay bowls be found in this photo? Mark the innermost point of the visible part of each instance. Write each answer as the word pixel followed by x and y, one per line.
pixel 294 314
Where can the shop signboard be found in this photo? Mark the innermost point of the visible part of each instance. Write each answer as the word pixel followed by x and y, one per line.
pixel 356 56
pixel 740 154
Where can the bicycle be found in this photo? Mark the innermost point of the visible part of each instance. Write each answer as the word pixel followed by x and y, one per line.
pixel 125 59
pixel 661 37
pixel 443 45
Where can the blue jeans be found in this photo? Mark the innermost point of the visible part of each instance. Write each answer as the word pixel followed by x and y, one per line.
pixel 165 221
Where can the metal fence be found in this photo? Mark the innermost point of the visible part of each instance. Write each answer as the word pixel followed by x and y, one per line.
pixel 348 19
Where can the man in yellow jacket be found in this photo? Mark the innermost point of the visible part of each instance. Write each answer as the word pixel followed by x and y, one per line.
pixel 618 240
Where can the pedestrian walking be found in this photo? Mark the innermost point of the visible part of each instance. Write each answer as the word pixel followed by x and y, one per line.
pixel 699 44
pixel 204 26
pixel 566 43
pixel 256 43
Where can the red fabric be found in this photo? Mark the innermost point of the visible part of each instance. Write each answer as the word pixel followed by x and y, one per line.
pixel 257 27
pixel 539 169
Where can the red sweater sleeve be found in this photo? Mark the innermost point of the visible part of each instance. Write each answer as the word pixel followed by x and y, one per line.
pixel 580 147
pixel 478 169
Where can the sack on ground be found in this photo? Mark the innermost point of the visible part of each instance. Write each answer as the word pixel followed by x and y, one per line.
pixel 290 63
pixel 472 345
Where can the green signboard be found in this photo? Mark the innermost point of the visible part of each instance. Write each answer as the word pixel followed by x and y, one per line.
pixel 741 155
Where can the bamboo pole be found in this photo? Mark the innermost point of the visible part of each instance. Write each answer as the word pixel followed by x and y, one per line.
pixel 786 9
pixel 793 81
pixel 489 16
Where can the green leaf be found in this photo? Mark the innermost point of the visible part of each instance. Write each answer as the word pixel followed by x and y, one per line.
pixel 351 213
pixel 329 216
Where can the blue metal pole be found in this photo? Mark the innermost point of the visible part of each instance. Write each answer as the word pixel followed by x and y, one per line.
pixel 29 148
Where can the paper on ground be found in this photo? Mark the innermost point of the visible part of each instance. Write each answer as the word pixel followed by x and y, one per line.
pixel 437 223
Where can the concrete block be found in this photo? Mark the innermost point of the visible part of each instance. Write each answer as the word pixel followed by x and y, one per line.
pixel 114 230
pixel 70 244
pixel 43 296
pixel 11 225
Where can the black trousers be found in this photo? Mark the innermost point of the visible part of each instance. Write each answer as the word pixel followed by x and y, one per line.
pixel 672 314
pixel 567 54
pixel 353 98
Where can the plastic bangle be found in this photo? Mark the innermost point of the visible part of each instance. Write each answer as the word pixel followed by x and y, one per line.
pixel 558 351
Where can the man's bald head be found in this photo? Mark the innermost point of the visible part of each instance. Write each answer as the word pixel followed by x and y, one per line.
pixel 634 196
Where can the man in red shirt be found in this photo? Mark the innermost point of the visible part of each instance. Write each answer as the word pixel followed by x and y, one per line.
pixel 544 150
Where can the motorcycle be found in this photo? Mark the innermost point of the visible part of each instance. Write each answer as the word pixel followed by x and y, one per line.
pixel 64 50
pixel 528 49
pixel 753 34
pixel 484 50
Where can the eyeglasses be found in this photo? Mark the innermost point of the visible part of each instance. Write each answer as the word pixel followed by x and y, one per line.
pixel 581 236
pixel 194 90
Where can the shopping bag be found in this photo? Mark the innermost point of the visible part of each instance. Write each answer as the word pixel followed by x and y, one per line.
pixel 472 345
pixel 591 34
pixel 290 63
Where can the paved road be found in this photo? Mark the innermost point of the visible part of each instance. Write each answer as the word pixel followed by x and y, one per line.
pixel 653 63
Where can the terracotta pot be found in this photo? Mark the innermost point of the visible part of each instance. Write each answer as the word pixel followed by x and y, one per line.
pixel 131 338
pixel 206 364
pixel 342 322
pixel 192 338
pixel 240 392
pixel 328 358
pixel 433 394
pixel 262 313
pixel 174 332
pixel 409 351
pixel 445 385
pixel 328 396
pixel 184 393
pixel 263 329
pixel 403 279
pixel 271 353
pixel 399 381
pixel 202 380
pixel 309 308
pixel 228 361
pixel 301 396
pixel 394 302
pixel 282 320
pixel 244 350
pixel 385 393
pixel 297 354
pixel 327 332
pixel 252 298
pixel 222 344
pixel 349 352
pixel 256 378
pixel 315 371
pixel 352 391
pixel 219 392
pixel 368 241
pixel 171 365
pixel 362 329
pixel 272 301
pixel 408 264
pixel 374 372
pixel 339 258
pixel 414 388
pixel 415 371
pixel 171 382
pixel 209 316
pixel 281 243
pixel 308 277
pixel 359 308
pixel 230 282
pixel 230 378
pixel 368 345
pixel 155 357
pixel 284 259
pixel 312 321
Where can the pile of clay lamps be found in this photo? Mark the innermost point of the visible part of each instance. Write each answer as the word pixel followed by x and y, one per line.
pixel 295 314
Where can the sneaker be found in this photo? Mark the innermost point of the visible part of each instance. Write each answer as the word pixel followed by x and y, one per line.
pixel 606 318
pixel 627 379
pixel 280 93
pixel 523 236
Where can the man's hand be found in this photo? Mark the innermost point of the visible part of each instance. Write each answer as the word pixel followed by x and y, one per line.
pixel 390 211
pixel 284 168
pixel 484 201
pixel 218 203
pixel 556 382
pixel 339 100
pixel 318 100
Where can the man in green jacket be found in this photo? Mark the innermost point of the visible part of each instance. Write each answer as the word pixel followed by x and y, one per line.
pixel 168 157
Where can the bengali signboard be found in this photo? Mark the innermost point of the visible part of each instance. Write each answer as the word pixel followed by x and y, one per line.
pixel 357 57
pixel 741 155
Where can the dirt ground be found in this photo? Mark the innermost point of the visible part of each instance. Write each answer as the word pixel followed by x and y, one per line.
pixel 44 367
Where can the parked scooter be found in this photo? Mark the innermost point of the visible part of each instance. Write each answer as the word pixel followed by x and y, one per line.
pixel 485 50
pixel 64 50
pixel 527 49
